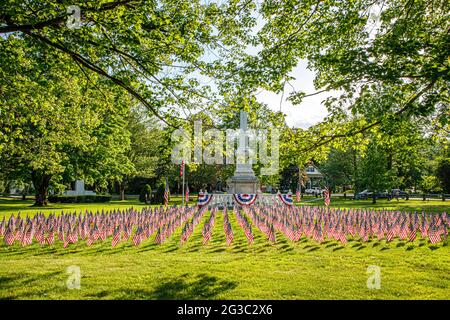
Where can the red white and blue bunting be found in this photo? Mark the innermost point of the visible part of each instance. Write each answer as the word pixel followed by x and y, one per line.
pixel 204 199
pixel 286 199
pixel 244 199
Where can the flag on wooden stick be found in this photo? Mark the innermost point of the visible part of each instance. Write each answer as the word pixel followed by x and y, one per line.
pixel 326 197
pixel 166 193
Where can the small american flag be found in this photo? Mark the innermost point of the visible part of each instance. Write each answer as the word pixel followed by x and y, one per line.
pixel 2 227
pixel 318 235
pixel 187 194
pixel 326 197
pixel 227 228
pixel 206 233
pixel 166 194
pixel 298 196
pixel 159 236
pixel 185 233
pixel 9 236
pixel 116 236
pixel 434 235
pixel 51 236
pixel 342 235
pixel 182 168
pixel 390 234
pixel 137 236
pixel 249 235
pixel 412 233
pixel 271 234
pixel 229 233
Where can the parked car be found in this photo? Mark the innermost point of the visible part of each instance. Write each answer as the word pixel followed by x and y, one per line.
pixel 315 190
pixel 363 195
pixel 383 195
pixel 397 193
pixel 366 194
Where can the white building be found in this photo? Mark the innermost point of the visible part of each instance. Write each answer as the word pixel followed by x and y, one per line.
pixel 314 176
pixel 79 190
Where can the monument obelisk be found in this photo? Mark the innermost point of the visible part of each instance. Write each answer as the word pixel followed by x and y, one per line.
pixel 244 179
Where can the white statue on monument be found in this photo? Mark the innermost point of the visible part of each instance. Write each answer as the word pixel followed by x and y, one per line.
pixel 244 179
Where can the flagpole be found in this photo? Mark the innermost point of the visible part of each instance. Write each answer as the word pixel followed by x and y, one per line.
pixel 300 178
pixel 182 188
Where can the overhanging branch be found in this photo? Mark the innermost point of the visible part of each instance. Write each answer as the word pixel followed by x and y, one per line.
pixel 58 21
pixel 88 64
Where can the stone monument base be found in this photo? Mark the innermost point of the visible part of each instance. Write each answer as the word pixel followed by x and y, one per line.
pixel 243 184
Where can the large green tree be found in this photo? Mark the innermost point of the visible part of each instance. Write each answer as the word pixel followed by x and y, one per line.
pixel 56 125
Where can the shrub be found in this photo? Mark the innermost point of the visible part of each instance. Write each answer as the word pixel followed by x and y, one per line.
pixel 79 199
pixel 145 195
pixel 159 196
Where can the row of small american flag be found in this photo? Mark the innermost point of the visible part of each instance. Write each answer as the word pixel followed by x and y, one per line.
pixel 317 223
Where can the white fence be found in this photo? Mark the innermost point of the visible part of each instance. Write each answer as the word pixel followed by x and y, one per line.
pixel 227 200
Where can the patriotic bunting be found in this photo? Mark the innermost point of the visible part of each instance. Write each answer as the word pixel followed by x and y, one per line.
pixel 203 199
pixel 245 199
pixel 286 199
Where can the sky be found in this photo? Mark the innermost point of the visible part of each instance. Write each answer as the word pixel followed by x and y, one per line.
pixel 310 111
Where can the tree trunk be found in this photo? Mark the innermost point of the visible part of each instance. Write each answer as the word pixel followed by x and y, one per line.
pixel 24 193
pixel 374 198
pixel 122 185
pixel 41 182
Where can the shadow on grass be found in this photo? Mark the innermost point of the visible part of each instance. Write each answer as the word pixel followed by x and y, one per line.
pixel 184 287
pixel 313 249
pixel 23 281
pixel 285 246
pixel 217 250
pixel 200 287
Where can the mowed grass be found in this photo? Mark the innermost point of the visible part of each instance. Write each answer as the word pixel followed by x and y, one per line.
pixel 383 204
pixel 285 270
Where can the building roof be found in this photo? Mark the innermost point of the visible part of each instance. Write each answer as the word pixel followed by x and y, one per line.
pixel 312 171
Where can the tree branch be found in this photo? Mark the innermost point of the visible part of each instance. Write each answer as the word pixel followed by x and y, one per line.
pixel 327 139
pixel 58 21
pixel 83 61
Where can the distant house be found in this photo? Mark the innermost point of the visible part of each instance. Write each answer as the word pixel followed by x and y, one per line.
pixel 314 176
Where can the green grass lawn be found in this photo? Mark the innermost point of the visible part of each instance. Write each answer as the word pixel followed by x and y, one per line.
pixel 285 270
pixel 382 204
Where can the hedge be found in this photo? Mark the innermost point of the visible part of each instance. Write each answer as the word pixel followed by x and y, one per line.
pixel 79 199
